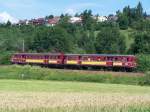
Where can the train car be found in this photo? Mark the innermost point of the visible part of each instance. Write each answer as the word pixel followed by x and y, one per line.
pixel 37 58
pixel 18 59
pixel 55 59
pixel 80 60
pixel 120 61
pixel 93 60
pixel 72 59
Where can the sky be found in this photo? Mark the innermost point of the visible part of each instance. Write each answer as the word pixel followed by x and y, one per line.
pixel 15 10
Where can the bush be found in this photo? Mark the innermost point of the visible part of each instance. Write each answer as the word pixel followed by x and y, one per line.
pixel 5 58
pixel 143 63
pixel 37 73
pixel 146 79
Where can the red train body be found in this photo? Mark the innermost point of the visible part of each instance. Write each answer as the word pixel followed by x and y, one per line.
pixel 87 60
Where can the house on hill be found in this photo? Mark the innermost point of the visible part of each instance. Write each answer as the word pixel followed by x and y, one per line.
pixel 75 20
pixel 112 18
pixel 148 17
pixel 23 22
pixel 39 21
pixel 52 21
pixel 100 18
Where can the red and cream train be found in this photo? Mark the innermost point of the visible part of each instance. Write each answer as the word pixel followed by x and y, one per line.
pixel 80 60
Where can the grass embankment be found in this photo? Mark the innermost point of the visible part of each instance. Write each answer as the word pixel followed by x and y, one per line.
pixel 55 96
pixel 37 73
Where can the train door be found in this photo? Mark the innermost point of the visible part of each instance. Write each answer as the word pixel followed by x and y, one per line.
pixel 23 58
pixel 46 59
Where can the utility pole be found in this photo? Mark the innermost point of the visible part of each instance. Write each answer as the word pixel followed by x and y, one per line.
pixel 23 46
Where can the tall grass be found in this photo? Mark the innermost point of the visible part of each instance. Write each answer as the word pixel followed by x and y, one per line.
pixel 37 73
pixel 84 109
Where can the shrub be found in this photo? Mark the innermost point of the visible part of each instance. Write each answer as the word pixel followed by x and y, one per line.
pixel 5 58
pixel 146 79
pixel 37 73
pixel 143 63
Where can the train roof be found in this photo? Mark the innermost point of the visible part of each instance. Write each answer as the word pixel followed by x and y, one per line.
pixel 37 53
pixel 72 54
pixel 97 55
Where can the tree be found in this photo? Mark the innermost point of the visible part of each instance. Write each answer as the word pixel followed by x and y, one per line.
pixel 8 23
pixel 126 11
pixel 139 11
pixel 77 15
pixel 64 23
pixel 141 43
pixel 49 17
pixel 110 41
pixel 145 15
pixel 87 42
pixel 88 21
pixel 123 21
pixel 142 25
pixel 61 40
pixel 62 15
pixel 52 39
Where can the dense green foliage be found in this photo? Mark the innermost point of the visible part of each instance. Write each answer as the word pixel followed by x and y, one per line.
pixel 146 80
pixel 28 72
pixel 143 63
pixel 5 57
pixel 112 43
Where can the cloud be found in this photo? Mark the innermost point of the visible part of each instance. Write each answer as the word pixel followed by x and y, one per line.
pixel 70 11
pixel 4 17
pixel 73 8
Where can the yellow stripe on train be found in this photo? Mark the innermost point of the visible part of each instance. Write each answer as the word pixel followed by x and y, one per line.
pixel 93 63
pixel 117 64
pixel 53 61
pixel 72 62
pixel 34 61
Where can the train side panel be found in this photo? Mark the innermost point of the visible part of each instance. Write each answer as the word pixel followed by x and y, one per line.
pixel 120 61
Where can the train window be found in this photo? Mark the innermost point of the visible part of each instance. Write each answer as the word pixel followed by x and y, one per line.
pixel 109 58
pixel 84 58
pixel 115 59
pixel 103 58
pixel 119 58
pixel 46 57
pixel 129 59
pixel 29 56
pixel 90 58
pixel 125 59
pixel 72 58
pixel 39 57
pixel 54 57
pixel 94 58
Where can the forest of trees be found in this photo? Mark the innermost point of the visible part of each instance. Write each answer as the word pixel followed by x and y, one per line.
pixel 130 34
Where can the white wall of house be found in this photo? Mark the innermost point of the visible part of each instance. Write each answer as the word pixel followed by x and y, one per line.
pixel 75 19
pixel 101 18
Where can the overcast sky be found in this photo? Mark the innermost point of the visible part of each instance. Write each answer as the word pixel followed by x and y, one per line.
pixel 27 9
